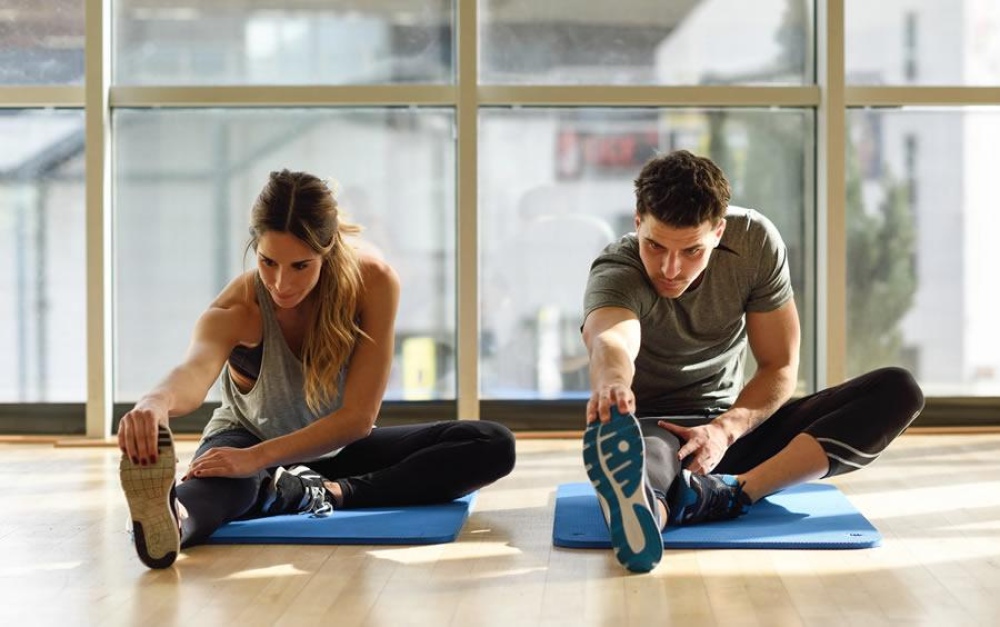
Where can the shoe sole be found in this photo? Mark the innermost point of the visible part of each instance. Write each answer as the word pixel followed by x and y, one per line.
pixel 615 456
pixel 149 491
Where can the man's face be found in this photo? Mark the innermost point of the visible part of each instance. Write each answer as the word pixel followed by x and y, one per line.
pixel 674 258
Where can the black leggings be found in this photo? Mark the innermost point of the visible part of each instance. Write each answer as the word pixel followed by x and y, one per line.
pixel 853 422
pixel 392 466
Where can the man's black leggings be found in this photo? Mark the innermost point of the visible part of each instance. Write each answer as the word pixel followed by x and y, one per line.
pixel 853 422
pixel 392 466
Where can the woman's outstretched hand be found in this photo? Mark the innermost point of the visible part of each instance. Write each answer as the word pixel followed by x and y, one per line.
pixel 225 462
pixel 137 431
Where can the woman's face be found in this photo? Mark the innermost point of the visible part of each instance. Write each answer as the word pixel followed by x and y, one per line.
pixel 288 266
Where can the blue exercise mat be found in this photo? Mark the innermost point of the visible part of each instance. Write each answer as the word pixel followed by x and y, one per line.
pixel 809 516
pixel 418 524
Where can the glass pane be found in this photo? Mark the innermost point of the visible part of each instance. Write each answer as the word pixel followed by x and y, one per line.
pixel 922 223
pixel 171 42
pixel 41 42
pixel 556 187
pixel 185 181
pixel 646 42
pixel 43 295
pixel 922 42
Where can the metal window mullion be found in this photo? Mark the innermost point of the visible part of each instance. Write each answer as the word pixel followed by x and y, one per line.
pixel 97 74
pixel 445 95
pixel 831 241
pixel 283 96
pixel 26 97
pixel 467 122
pixel 646 96
pixel 921 96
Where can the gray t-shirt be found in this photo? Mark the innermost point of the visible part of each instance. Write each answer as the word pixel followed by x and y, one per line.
pixel 692 351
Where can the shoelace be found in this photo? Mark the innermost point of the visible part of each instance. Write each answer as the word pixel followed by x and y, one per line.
pixel 319 505
pixel 724 503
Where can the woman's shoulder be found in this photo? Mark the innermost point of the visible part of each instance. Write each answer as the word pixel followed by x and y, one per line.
pixel 376 272
pixel 236 305
pixel 241 292
pixel 379 287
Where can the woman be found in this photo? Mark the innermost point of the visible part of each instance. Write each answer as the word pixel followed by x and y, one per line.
pixel 304 344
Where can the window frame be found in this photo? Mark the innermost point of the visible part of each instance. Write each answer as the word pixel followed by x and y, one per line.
pixel 830 97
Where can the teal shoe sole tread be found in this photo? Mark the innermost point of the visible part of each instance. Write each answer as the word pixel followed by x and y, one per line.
pixel 613 454
pixel 148 491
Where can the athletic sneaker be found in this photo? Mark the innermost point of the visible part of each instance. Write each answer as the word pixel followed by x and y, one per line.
pixel 704 498
pixel 615 457
pixel 297 490
pixel 152 500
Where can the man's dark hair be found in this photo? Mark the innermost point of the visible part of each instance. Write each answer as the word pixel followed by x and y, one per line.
pixel 682 190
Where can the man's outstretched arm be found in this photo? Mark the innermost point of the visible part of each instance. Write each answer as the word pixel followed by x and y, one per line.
pixel 612 336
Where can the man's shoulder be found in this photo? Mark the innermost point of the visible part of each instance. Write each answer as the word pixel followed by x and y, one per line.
pixel 623 250
pixel 617 278
pixel 619 261
pixel 747 218
pixel 746 229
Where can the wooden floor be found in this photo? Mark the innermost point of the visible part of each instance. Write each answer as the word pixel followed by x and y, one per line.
pixel 65 557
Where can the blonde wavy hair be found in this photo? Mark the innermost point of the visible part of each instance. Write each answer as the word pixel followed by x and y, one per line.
pixel 303 205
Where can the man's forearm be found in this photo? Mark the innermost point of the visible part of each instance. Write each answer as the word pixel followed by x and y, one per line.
pixel 610 363
pixel 766 391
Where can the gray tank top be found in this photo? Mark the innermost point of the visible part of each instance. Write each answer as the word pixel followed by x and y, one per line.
pixel 276 404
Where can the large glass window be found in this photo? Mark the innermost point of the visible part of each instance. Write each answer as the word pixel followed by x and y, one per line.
pixel 556 188
pixel 553 169
pixel 42 279
pixel 646 42
pixel 922 224
pixel 922 42
pixel 180 42
pixel 41 42
pixel 184 184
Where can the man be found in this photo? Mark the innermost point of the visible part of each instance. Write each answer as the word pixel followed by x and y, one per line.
pixel 669 310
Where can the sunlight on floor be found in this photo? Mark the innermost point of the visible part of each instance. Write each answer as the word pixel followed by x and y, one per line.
pixel 438 553
pixel 929 499
pixel 507 573
pixel 271 572
pixel 514 498
pixel 18 571
pixel 983 525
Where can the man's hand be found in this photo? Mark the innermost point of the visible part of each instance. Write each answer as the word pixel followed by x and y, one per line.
pixel 612 336
pixel 602 400
pixel 225 462
pixel 704 444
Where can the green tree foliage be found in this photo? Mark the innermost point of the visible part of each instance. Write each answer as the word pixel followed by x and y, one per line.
pixel 881 240
pixel 881 270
